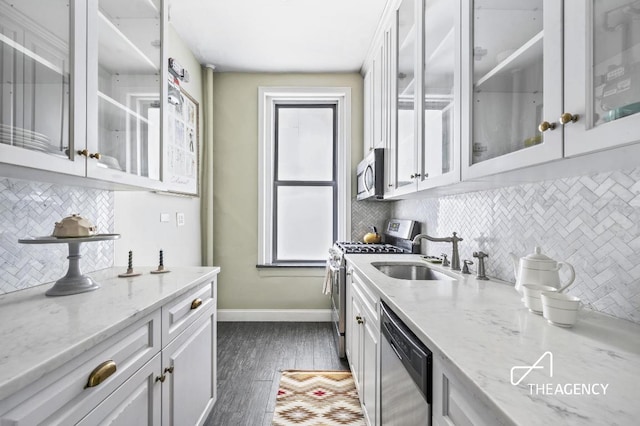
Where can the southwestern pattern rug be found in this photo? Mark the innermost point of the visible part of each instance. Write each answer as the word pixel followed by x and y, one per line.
pixel 314 398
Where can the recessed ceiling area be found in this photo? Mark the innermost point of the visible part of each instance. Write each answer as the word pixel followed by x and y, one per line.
pixel 278 35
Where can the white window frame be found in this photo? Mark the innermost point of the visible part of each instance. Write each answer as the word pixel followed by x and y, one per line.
pixel 268 97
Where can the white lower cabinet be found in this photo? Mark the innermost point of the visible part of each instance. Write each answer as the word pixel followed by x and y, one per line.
pixel 63 397
pixel 189 368
pixel 363 335
pixel 454 403
pixel 161 370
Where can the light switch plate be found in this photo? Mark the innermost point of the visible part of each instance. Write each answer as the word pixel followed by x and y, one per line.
pixel 164 217
pixel 180 219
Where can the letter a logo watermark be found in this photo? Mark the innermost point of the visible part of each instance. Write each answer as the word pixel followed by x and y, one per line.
pixel 526 369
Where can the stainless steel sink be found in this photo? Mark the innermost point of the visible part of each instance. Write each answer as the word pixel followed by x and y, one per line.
pixel 410 271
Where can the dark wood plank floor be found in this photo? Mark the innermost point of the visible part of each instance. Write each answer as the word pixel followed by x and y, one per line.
pixel 251 356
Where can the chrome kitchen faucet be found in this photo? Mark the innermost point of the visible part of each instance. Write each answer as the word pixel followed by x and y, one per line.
pixel 455 257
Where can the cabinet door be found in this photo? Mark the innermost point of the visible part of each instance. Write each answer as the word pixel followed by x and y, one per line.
pixel 189 364
pixel 355 330
pixel 405 97
pixel 36 76
pixel 368 111
pixel 370 368
pixel 602 74
pixel 136 402
pixel 439 150
pixel 454 401
pixel 124 83
pixel 349 317
pixel 512 70
pixel 377 96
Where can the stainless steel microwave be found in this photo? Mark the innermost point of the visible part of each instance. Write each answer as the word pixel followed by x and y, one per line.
pixel 370 175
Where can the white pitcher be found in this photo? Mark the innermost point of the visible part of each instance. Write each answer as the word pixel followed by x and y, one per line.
pixel 536 268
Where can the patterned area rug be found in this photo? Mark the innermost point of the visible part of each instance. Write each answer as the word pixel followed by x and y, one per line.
pixel 326 398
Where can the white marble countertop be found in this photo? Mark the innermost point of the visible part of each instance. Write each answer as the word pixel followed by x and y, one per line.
pixel 39 333
pixel 484 329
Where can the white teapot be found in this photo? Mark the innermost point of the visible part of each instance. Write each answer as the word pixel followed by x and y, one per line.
pixel 536 268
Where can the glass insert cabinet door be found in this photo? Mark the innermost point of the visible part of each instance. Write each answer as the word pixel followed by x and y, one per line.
pixel 602 81
pixel 125 93
pixel 405 101
pixel 440 104
pixel 516 76
pixel 35 76
pixel 507 77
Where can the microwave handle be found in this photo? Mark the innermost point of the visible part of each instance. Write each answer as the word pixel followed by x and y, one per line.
pixel 367 171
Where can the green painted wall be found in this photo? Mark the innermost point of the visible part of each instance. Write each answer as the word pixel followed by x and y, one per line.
pixel 235 110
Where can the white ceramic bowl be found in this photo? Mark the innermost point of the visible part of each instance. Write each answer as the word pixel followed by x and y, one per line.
pixel 560 300
pixel 532 298
pixel 560 309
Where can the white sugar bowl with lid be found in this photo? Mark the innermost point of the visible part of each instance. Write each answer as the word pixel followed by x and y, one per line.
pixel 74 226
pixel 536 268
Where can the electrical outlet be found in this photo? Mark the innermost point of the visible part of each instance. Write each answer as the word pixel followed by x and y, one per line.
pixel 180 219
pixel 164 217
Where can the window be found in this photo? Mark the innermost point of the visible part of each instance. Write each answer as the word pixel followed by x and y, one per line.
pixel 304 174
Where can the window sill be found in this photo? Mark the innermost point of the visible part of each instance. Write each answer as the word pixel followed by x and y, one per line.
pixel 292 270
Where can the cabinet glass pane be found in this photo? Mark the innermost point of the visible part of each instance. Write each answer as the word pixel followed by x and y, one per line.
pixel 616 60
pixel 439 68
pixel 406 89
pixel 129 86
pixel 507 76
pixel 34 75
pixel 305 143
pixel 304 222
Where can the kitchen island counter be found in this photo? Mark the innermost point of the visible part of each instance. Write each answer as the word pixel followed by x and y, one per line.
pixel 483 330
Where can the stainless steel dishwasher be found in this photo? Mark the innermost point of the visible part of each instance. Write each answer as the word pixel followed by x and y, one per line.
pixel 405 388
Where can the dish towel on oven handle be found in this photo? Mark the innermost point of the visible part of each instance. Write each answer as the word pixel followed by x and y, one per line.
pixel 328 278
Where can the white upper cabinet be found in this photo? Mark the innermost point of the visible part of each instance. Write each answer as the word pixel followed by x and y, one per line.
pixel 423 78
pixel 439 150
pixel 512 74
pixel 602 74
pixel 39 86
pixel 404 95
pixel 124 89
pixel 80 91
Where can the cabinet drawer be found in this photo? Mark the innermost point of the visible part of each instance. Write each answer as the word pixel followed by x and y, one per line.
pixel 136 402
pixel 180 313
pixel 370 303
pixel 63 396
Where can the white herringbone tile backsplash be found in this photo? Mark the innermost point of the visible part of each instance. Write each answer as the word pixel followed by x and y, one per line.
pixel 30 209
pixel 592 222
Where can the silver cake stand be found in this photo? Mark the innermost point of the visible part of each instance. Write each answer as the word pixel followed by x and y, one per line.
pixel 74 282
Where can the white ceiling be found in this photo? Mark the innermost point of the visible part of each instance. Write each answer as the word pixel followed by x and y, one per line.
pixel 278 35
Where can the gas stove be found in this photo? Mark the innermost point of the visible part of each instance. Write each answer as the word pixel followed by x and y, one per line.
pixel 398 236
pixel 351 247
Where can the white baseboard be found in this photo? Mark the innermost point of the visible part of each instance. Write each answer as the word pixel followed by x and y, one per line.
pixel 293 315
